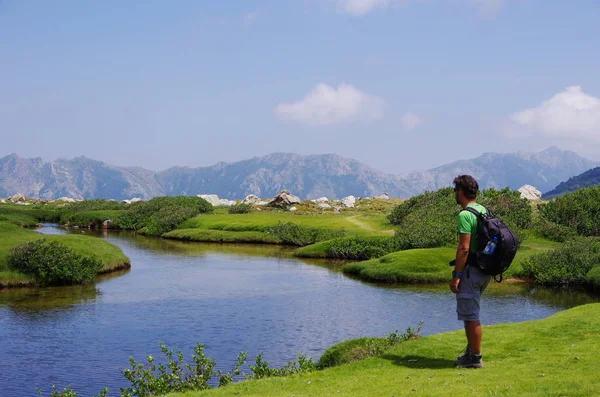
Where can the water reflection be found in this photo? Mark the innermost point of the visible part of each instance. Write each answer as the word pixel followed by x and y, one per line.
pixel 36 300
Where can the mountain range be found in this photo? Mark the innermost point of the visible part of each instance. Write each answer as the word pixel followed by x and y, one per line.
pixel 309 177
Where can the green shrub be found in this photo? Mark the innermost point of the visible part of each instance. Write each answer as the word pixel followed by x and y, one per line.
pixel 442 199
pixel 240 209
pixel 579 210
pixel 147 213
pixel 361 247
pixel 292 233
pixel 554 231
pixel 95 205
pixel 53 263
pixel 593 278
pixel 508 205
pixel 166 220
pixel 427 231
pixel 430 219
pixel 568 264
pixel 88 218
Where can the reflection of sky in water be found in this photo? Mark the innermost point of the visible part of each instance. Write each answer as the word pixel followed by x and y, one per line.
pixel 232 303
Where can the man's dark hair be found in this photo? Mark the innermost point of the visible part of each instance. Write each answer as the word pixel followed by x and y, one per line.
pixel 467 184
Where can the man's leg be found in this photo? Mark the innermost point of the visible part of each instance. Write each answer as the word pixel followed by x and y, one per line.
pixel 474 333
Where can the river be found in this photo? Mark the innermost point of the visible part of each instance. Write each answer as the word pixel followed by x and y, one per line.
pixel 231 298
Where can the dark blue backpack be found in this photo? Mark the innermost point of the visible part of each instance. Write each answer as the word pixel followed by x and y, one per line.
pixel 488 227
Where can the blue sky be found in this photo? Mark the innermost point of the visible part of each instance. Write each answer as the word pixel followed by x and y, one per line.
pixel 398 84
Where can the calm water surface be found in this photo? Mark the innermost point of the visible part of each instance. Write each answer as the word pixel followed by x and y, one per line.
pixel 232 298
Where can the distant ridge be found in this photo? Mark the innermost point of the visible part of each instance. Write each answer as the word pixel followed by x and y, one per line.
pixel 587 179
pixel 309 177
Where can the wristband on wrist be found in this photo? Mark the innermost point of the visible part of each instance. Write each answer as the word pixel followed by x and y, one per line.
pixel 455 274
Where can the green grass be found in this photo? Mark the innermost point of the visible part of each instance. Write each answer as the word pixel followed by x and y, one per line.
pixel 263 221
pixel 253 228
pixel 27 216
pixel 222 236
pixel 430 265
pixel 317 250
pixel 556 356
pixel 110 255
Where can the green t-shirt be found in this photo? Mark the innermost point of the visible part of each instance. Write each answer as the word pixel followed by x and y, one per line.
pixel 467 223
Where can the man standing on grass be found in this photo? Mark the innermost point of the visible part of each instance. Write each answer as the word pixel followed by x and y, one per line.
pixel 468 281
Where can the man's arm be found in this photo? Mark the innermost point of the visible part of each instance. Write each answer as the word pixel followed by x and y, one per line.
pixel 462 253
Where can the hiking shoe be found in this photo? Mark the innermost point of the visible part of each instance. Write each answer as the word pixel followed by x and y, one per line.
pixel 470 361
pixel 467 353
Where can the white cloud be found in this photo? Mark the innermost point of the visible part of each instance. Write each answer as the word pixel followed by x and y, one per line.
pixel 571 113
pixel 410 121
pixel 325 105
pixel 361 7
pixel 489 7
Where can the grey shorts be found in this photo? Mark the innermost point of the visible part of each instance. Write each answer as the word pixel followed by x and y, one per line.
pixel 472 284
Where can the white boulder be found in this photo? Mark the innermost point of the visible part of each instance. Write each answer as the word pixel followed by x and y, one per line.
pixel 293 209
pixel 251 199
pixel 66 199
pixel 135 200
pixel 324 206
pixel 348 202
pixel 284 200
pixel 530 193
pixel 322 200
pixel 215 201
pixel 384 196
pixel 2 201
pixel 211 198
pixel 226 203
pixel 17 198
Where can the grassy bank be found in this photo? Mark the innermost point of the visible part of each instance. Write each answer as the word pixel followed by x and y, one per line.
pixel 112 257
pixel 255 227
pixel 430 265
pixel 556 356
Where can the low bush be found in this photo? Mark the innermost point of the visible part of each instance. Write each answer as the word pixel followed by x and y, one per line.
pixel 166 219
pixel 95 205
pixel 240 209
pixel 554 231
pixel 177 376
pixel 430 219
pixel 579 210
pixel 52 263
pixel 593 278
pixel 361 247
pixel 88 218
pixel 567 264
pixel 148 214
pixel 294 234
pixel 427 232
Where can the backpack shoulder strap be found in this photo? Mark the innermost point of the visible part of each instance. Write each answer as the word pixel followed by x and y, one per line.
pixel 473 211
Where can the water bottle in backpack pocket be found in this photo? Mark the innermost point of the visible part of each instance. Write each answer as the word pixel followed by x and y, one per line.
pixel 490 247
